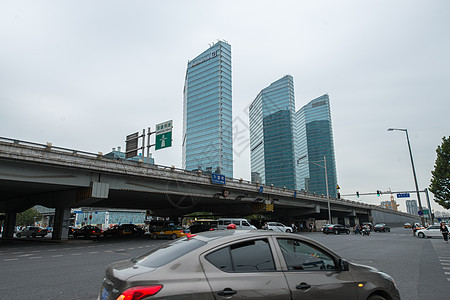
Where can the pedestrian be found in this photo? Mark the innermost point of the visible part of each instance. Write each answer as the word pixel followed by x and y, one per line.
pixel 301 226
pixel 444 231
pixel 414 229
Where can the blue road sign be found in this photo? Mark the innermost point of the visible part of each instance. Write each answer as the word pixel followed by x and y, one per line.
pixel 295 194
pixel 420 213
pixel 403 195
pixel 261 189
pixel 218 178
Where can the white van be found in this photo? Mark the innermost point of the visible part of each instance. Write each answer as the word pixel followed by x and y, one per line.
pixel 240 223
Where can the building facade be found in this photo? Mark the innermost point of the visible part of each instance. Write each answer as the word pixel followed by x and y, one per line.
pixel 314 142
pixel 272 149
pixel 207 112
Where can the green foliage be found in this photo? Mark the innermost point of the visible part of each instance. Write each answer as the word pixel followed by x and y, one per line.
pixel 440 181
pixel 28 217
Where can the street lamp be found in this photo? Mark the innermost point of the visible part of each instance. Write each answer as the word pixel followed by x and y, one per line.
pixel 413 169
pixel 326 180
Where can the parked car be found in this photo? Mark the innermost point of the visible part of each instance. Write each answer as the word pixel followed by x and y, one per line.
pixel 130 229
pixel 336 229
pixel 240 223
pixel 381 227
pixel 244 264
pixel 170 231
pixel 431 231
pixel 276 226
pixel 32 231
pixel 407 225
pixel 87 231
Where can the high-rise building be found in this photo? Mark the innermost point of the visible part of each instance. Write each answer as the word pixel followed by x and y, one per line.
pixel 271 134
pixel 313 142
pixel 411 207
pixel 207 112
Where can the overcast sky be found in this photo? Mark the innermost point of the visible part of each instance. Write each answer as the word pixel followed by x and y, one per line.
pixel 84 74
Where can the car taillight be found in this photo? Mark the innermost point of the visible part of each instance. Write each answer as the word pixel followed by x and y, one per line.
pixel 139 292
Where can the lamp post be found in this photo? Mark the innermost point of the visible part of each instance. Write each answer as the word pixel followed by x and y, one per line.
pixel 413 169
pixel 326 180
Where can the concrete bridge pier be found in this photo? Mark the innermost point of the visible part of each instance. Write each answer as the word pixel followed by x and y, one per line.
pixel 61 224
pixel 9 224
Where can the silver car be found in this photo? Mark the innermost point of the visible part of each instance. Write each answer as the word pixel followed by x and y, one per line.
pixel 32 231
pixel 244 264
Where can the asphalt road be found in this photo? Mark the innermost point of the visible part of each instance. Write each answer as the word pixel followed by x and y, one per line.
pixel 74 269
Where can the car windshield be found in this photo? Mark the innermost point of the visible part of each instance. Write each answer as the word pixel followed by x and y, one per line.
pixel 168 252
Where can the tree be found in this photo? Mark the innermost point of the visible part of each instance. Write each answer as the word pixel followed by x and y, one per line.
pixel 440 181
pixel 28 217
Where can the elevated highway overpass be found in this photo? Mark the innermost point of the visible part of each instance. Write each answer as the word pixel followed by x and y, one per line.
pixel 35 174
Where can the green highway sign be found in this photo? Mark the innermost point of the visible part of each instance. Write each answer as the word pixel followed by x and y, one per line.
pixel 163 135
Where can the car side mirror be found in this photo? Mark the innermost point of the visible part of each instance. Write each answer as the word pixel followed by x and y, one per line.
pixel 343 265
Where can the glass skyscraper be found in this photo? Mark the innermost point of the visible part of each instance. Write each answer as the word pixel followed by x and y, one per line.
pixel 313 141
pixel 272 147
pixel 207 112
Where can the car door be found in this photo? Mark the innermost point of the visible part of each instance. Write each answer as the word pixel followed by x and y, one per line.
pixel 244 270
pixel 312 273
pixel 434 231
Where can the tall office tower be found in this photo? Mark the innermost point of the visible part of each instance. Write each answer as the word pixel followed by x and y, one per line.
pixel 313 141
pixel 411 207
pixel 207 112
pixel 271 134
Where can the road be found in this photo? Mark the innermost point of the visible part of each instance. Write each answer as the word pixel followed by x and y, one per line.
pixel 74 269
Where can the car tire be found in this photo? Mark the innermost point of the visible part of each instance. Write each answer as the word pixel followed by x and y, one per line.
pixel 174 236
pixel 421 235
pixel 154 236
pixel 288 230
pixel 33 235
pixel 376 297
pixel 18 235
pixel 336 232
pixel 348 231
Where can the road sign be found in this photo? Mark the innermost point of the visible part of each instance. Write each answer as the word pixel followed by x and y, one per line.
pixel 420 213
pixel 218 178
pixel 425 211
pixel 261 189
pixel 163 135
pixel 403 195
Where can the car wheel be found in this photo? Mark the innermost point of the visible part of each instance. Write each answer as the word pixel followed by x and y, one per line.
pixel 86 235
pixel 288 230
pixel 174 236
pixel 18 235
pixel 336 232
pixel 421 235
pixel 154 236
pixel 348 231
pixel 376 297
pixel 33 235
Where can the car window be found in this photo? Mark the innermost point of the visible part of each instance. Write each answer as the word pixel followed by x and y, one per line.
pixel 161 256
pixel 245 223
pixel 248 256
pixel 303 257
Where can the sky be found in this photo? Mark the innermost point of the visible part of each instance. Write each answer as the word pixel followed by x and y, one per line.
pixel 85 74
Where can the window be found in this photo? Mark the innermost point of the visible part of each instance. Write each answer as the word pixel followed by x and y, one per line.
pixel 303 257
pixel 161 256
pixel 249 256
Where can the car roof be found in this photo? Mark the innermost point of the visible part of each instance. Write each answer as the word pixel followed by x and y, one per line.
pixel 224 236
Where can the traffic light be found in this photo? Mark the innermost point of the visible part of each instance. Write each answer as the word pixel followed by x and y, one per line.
pixel 339 195
pixel 357 194
pixel 378 193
